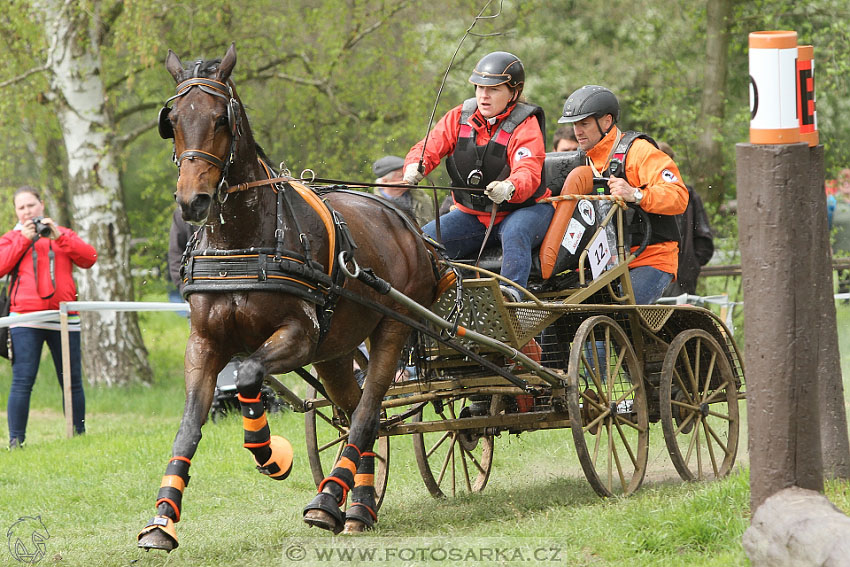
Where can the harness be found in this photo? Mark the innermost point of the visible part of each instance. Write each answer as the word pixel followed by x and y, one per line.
pixel 276 269
pixel 664 227
pixel 471 165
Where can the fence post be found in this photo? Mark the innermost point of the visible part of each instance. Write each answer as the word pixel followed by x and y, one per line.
pixel 66 369
pixel 782 314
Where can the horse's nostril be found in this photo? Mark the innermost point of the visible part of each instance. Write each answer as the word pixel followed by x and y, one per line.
pixel 200 204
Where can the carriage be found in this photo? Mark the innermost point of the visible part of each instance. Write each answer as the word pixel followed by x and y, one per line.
pixel 601 366
pixel 290 275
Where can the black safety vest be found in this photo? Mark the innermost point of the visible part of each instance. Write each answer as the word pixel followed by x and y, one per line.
pixel 471 165
pixel 664 227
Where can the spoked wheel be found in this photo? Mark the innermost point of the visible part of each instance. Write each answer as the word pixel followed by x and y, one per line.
pixel 699 406
pixel 326 429
pixel 608 407
pixel 453 462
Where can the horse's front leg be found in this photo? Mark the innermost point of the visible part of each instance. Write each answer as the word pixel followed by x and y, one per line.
pixel 202 364
pixel 282 352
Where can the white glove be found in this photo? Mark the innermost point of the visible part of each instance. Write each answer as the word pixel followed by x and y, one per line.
pixel 499 191
pixel 412 175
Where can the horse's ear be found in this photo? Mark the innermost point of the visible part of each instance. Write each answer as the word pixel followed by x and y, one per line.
pixel 227 64
pixel 173 64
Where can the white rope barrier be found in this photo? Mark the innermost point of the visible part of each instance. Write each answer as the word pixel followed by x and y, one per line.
pixel 62 312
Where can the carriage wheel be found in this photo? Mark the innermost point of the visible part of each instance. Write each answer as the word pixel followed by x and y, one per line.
pixel 699 406
pixel 326 429
pixel 452 462
pixel 608 407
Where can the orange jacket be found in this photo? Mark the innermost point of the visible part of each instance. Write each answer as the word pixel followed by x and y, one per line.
pixel 526 152
pixel 664 192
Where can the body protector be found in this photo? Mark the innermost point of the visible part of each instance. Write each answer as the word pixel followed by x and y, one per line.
pixel 664 227
pixel 471 165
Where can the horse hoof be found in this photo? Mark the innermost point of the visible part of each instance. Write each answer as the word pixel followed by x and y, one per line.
pixel 359 518
pixel 323 512
pixel 158 534
pixel 354 527
pixel 321 519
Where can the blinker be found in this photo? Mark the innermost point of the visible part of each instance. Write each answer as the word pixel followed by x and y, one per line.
pixel 166 130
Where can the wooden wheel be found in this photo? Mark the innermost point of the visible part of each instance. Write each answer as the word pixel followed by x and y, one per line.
pixel 452 462
pixel 326 430
pixel 699 406
pixel 607 404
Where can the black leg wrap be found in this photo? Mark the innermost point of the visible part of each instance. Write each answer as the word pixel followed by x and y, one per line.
pixel 363 503
pixel 342 476
pixel 173 483
pixel 256 428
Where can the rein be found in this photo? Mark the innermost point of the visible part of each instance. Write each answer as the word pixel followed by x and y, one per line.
pixel 260 182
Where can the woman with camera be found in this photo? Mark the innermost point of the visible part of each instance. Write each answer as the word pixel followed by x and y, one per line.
pixel 41 254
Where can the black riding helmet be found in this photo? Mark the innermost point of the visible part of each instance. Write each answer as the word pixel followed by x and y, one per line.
pixel 590 100
pixel 499 68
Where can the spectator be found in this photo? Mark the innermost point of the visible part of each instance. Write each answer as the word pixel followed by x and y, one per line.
pixel 178 237
pixel 492 141
pixel 44 254
pixel 564 139
pixel 696 245
pixel 646 176
pixel 415 203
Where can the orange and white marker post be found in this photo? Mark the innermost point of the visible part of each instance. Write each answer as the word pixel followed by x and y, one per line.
pixel 806 95
pixel 773 88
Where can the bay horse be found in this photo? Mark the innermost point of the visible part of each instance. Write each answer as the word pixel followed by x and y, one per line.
pixel 289 239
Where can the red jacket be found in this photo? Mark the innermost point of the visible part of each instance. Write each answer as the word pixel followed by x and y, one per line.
pixel 69 250
pixel 526 166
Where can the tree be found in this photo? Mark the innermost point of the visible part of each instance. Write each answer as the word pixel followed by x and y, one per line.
pixel 113 352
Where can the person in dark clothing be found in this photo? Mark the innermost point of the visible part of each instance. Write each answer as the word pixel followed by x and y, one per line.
pixel 697 245
pixel 178 237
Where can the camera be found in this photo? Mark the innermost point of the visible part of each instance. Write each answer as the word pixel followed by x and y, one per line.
pixel 40 228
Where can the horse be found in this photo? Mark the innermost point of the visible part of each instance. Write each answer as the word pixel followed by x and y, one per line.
pixel 223 186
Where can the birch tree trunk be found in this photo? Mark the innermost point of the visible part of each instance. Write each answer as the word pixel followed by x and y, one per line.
pixel 113 351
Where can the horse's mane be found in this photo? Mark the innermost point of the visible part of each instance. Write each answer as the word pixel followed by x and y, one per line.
pixel 200 68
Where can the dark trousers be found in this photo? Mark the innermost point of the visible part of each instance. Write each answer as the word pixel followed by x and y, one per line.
pixel 26 352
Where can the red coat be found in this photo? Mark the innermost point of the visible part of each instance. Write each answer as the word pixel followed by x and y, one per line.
pixel 526 165
pixel 69 250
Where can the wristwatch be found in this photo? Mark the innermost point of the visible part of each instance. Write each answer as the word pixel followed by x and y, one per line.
pixel 638 196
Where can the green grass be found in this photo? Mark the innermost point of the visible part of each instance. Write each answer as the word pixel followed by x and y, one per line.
pixel 95 492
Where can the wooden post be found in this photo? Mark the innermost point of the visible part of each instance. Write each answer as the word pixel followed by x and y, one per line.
pixel 66 370
pixel 783 310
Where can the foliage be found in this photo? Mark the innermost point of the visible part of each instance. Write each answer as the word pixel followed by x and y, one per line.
pixel 331 86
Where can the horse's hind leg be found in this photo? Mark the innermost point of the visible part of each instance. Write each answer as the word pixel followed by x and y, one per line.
pixel 355 469
pixel 160 533
pixel 325 511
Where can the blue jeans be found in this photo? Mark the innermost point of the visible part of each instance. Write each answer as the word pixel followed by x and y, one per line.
pixel 519 233
pixel 26 352
pixel 649 284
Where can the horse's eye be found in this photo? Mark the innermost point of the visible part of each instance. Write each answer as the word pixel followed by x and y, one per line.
pixel 221 122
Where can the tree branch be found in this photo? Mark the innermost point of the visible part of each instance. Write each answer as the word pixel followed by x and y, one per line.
pixel 24 75
pixel 120 142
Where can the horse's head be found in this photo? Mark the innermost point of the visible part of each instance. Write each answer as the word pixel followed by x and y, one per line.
pixel 205 123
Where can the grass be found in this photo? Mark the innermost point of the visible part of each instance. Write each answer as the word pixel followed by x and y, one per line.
pixel 94 493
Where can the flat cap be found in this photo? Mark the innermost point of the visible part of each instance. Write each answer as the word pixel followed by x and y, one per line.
pixel 387 164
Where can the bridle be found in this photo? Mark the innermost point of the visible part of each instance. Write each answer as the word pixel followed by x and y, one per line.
pixel 234 120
